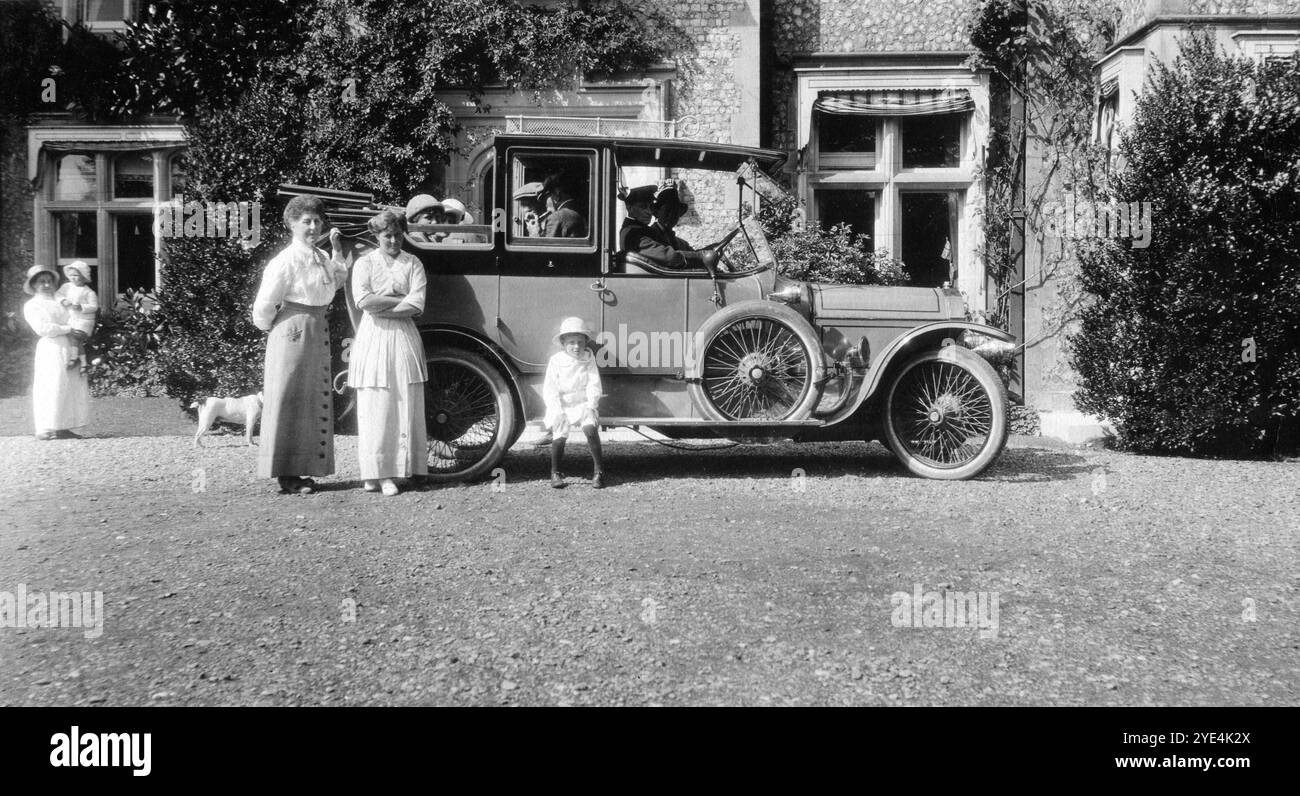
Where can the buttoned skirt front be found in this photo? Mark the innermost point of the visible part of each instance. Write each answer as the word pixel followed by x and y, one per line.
pixel 297 404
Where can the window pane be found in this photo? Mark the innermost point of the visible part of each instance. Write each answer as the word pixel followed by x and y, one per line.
pixel 563 210
pixel 133 176
pixel 855 208
pixel 837 132
pixel 75 178
pixel 929 237
pixel 931 141
pixel 180 176
pixel 106 10
pixel 77 237
pixel 134 252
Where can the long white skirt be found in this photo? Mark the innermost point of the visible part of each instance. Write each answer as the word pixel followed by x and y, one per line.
pixel 391 437
pixel 60 395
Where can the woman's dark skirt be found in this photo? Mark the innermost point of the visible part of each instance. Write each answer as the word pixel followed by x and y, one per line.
pixel 297 404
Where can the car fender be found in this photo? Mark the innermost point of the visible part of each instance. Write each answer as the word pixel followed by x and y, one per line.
pixel 930 335
pixel 719 319
pixel 463 338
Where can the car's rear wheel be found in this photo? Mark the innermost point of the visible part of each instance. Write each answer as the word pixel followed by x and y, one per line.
pixel 758 361
pixel 945 414
pixel 470 414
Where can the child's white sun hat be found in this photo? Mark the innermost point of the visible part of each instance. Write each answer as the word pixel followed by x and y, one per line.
pixel 573 325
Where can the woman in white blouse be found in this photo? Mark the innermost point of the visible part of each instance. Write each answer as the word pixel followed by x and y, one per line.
pixel 60 391
pixel 298 407
pixel 386 366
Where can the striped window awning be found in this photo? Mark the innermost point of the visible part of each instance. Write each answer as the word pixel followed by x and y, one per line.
pixel 1110 88
pixel 899 102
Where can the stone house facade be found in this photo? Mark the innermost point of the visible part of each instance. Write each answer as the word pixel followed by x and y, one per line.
pixel 885 125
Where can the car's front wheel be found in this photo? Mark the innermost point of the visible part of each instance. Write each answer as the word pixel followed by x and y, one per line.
pixel 470 414
pixel 757 361
pixel 945 414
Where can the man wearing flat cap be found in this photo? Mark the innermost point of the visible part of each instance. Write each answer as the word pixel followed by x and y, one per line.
pixel 532 209
pixel 644 234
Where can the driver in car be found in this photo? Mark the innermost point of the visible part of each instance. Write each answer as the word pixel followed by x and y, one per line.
pixel 645 232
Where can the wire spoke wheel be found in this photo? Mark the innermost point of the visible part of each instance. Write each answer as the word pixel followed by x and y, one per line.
pixel 469 414
pixel 756 369
pixel 946 415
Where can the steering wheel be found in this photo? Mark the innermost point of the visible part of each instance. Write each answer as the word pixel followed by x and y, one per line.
pixel 719 249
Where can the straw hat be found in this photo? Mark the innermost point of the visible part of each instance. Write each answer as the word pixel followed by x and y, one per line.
pixel 573 325
pixel 532 190
pixel 419 203
pixel 454 209
pixel 35 271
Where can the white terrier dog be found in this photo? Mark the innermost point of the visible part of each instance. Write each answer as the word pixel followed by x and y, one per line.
pixel 246 410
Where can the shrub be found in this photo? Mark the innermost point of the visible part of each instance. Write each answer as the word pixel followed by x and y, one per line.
pixel 835 256
pixel 211 346
pixel 1192 344
pixel 123 352
pixel 17 354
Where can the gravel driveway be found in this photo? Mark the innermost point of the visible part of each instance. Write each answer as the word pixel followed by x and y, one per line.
pixel 721 577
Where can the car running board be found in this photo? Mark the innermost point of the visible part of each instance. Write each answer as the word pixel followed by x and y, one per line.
pixel 610 422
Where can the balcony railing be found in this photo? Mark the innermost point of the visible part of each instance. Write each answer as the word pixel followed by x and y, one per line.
pixel 597 125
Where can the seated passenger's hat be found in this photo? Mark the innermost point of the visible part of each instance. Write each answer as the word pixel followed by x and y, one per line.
pixel 532 190
pixel 573 325
pixel 645 193
pixel 419 203
pixel 454 209
pixel 669 193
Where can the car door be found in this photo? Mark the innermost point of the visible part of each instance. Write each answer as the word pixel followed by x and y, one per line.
pixel 543 279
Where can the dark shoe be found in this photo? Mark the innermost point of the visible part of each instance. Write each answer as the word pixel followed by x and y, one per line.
pixel 66 434
pixel 293 485
pixel 557 481
pixel 598 481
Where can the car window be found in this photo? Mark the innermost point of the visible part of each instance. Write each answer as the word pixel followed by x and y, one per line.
pixel 551 193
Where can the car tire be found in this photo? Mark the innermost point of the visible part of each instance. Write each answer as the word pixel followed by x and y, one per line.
pixel 757 361
pixel 470 415
pixel 945 414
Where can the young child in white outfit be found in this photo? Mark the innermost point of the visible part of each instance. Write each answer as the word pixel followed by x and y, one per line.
pixel 82 305
pixel 572 392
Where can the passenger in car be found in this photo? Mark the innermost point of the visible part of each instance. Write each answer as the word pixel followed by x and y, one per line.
pixel 532 209
pixel 424 209
pixel 564 221
pixel 640 236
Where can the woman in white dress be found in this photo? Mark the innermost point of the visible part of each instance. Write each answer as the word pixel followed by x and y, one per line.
pixel 60 391
pixel 387 366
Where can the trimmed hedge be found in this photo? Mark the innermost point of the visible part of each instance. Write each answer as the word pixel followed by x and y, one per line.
pixel 1192 345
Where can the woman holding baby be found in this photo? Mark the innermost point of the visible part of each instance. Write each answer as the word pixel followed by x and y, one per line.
pixel 386 366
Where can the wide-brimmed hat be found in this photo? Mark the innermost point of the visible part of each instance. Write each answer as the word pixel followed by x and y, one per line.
pixel 532 190
pixel 645 193
pixel 80 267
pixel 455 209
pixel 35 271
pixel 419 203
pixel 669 193
pixel 573 325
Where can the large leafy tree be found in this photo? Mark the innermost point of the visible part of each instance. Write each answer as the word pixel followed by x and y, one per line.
pixel 338 93
pixel 1192 344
